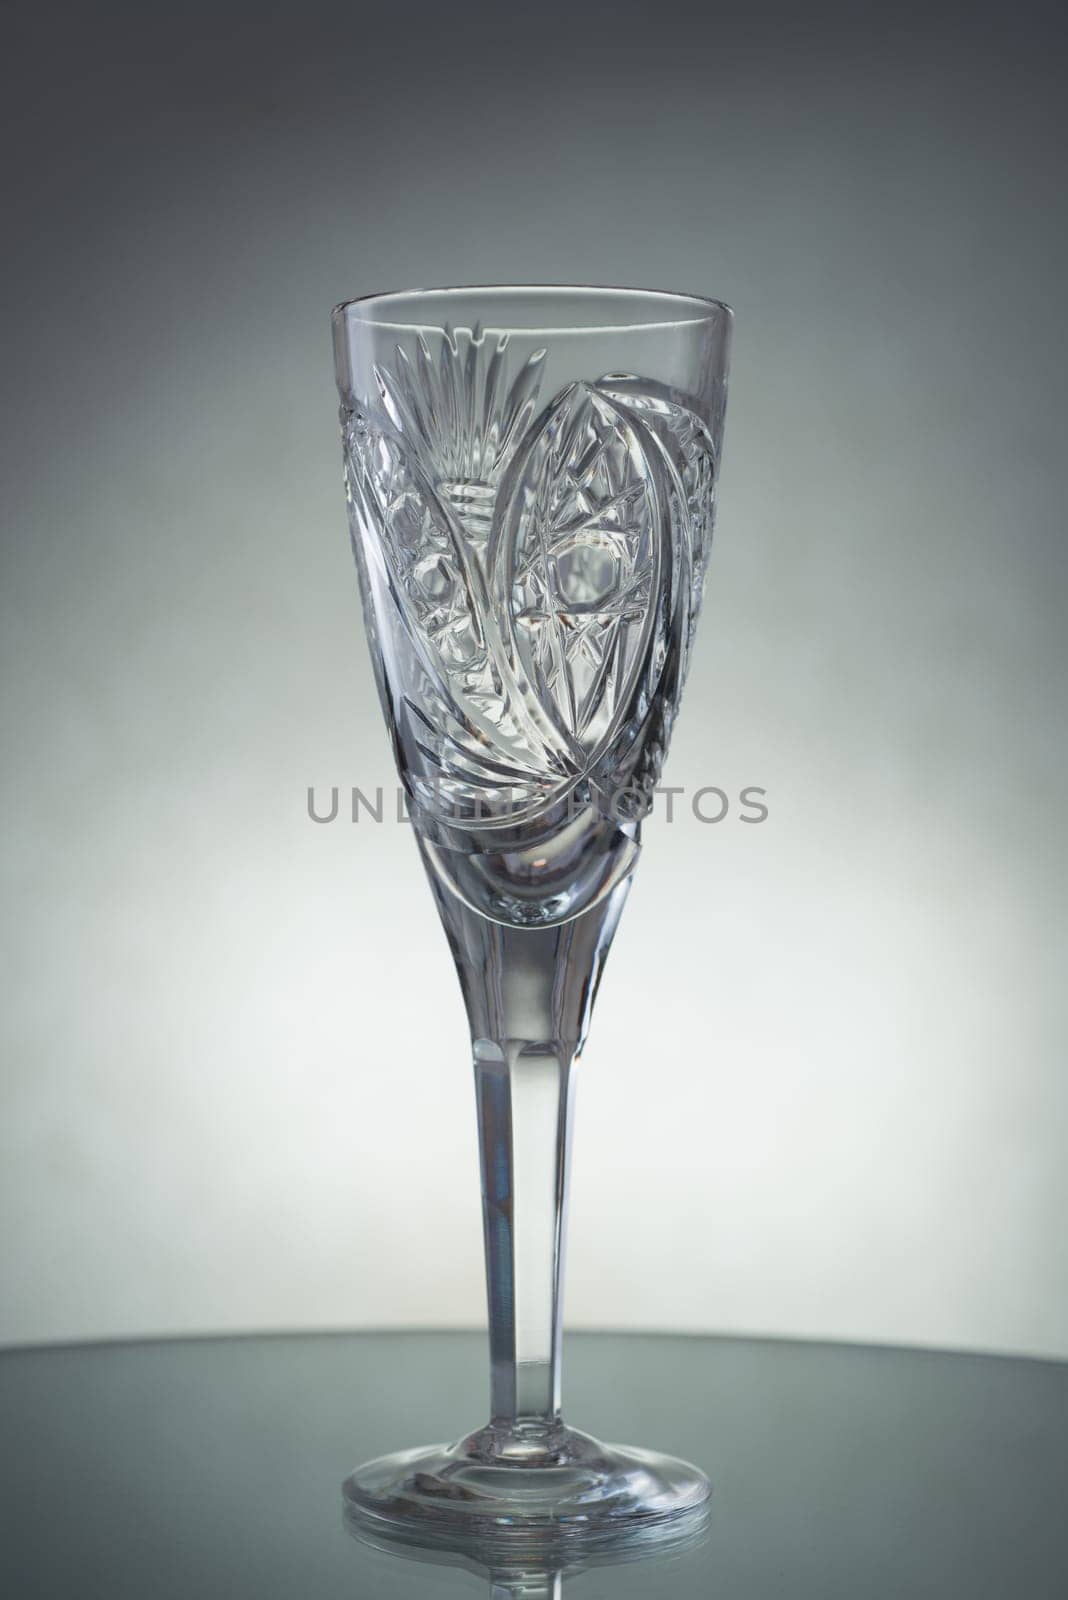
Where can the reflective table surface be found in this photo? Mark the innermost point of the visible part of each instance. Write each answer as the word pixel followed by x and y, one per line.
pixel 213 1467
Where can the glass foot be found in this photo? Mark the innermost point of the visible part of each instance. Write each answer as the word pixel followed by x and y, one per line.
pixel 526 1485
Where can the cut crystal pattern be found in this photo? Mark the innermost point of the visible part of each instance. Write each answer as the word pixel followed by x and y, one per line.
pixel 461 737
pixel 689 446
pixel 463 414
pixel 576 564
pixel 531 581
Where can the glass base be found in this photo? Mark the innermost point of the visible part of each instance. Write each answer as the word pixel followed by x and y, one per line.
pixel 526 1485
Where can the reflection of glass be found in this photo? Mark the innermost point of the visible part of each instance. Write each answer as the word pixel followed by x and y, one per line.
pixel 537 1571
pixel 530 477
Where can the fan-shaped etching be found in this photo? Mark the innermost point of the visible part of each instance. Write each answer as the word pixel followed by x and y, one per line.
pixel 462 415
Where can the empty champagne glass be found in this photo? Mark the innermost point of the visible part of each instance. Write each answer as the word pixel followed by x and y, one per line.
pixel 530 474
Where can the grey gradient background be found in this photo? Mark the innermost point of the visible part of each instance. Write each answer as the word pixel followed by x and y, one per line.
pixel 825 1090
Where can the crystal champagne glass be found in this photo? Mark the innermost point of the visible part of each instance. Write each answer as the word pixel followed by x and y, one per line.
pixel 530 475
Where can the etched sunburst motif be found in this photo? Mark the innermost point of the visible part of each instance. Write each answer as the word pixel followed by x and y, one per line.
pixel 464 414
pixel 531 578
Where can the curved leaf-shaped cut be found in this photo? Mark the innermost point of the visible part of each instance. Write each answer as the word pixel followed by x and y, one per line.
pixel 688 444
pixel 430 578
pixel 463 743
pixel 577 565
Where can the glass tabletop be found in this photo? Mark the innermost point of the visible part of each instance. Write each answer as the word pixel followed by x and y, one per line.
pixel 213 1466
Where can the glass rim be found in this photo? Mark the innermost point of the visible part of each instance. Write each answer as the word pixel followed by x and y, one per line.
pixel 703 307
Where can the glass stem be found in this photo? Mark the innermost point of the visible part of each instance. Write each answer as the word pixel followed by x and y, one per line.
pixel 529 993
pixel 524 1095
